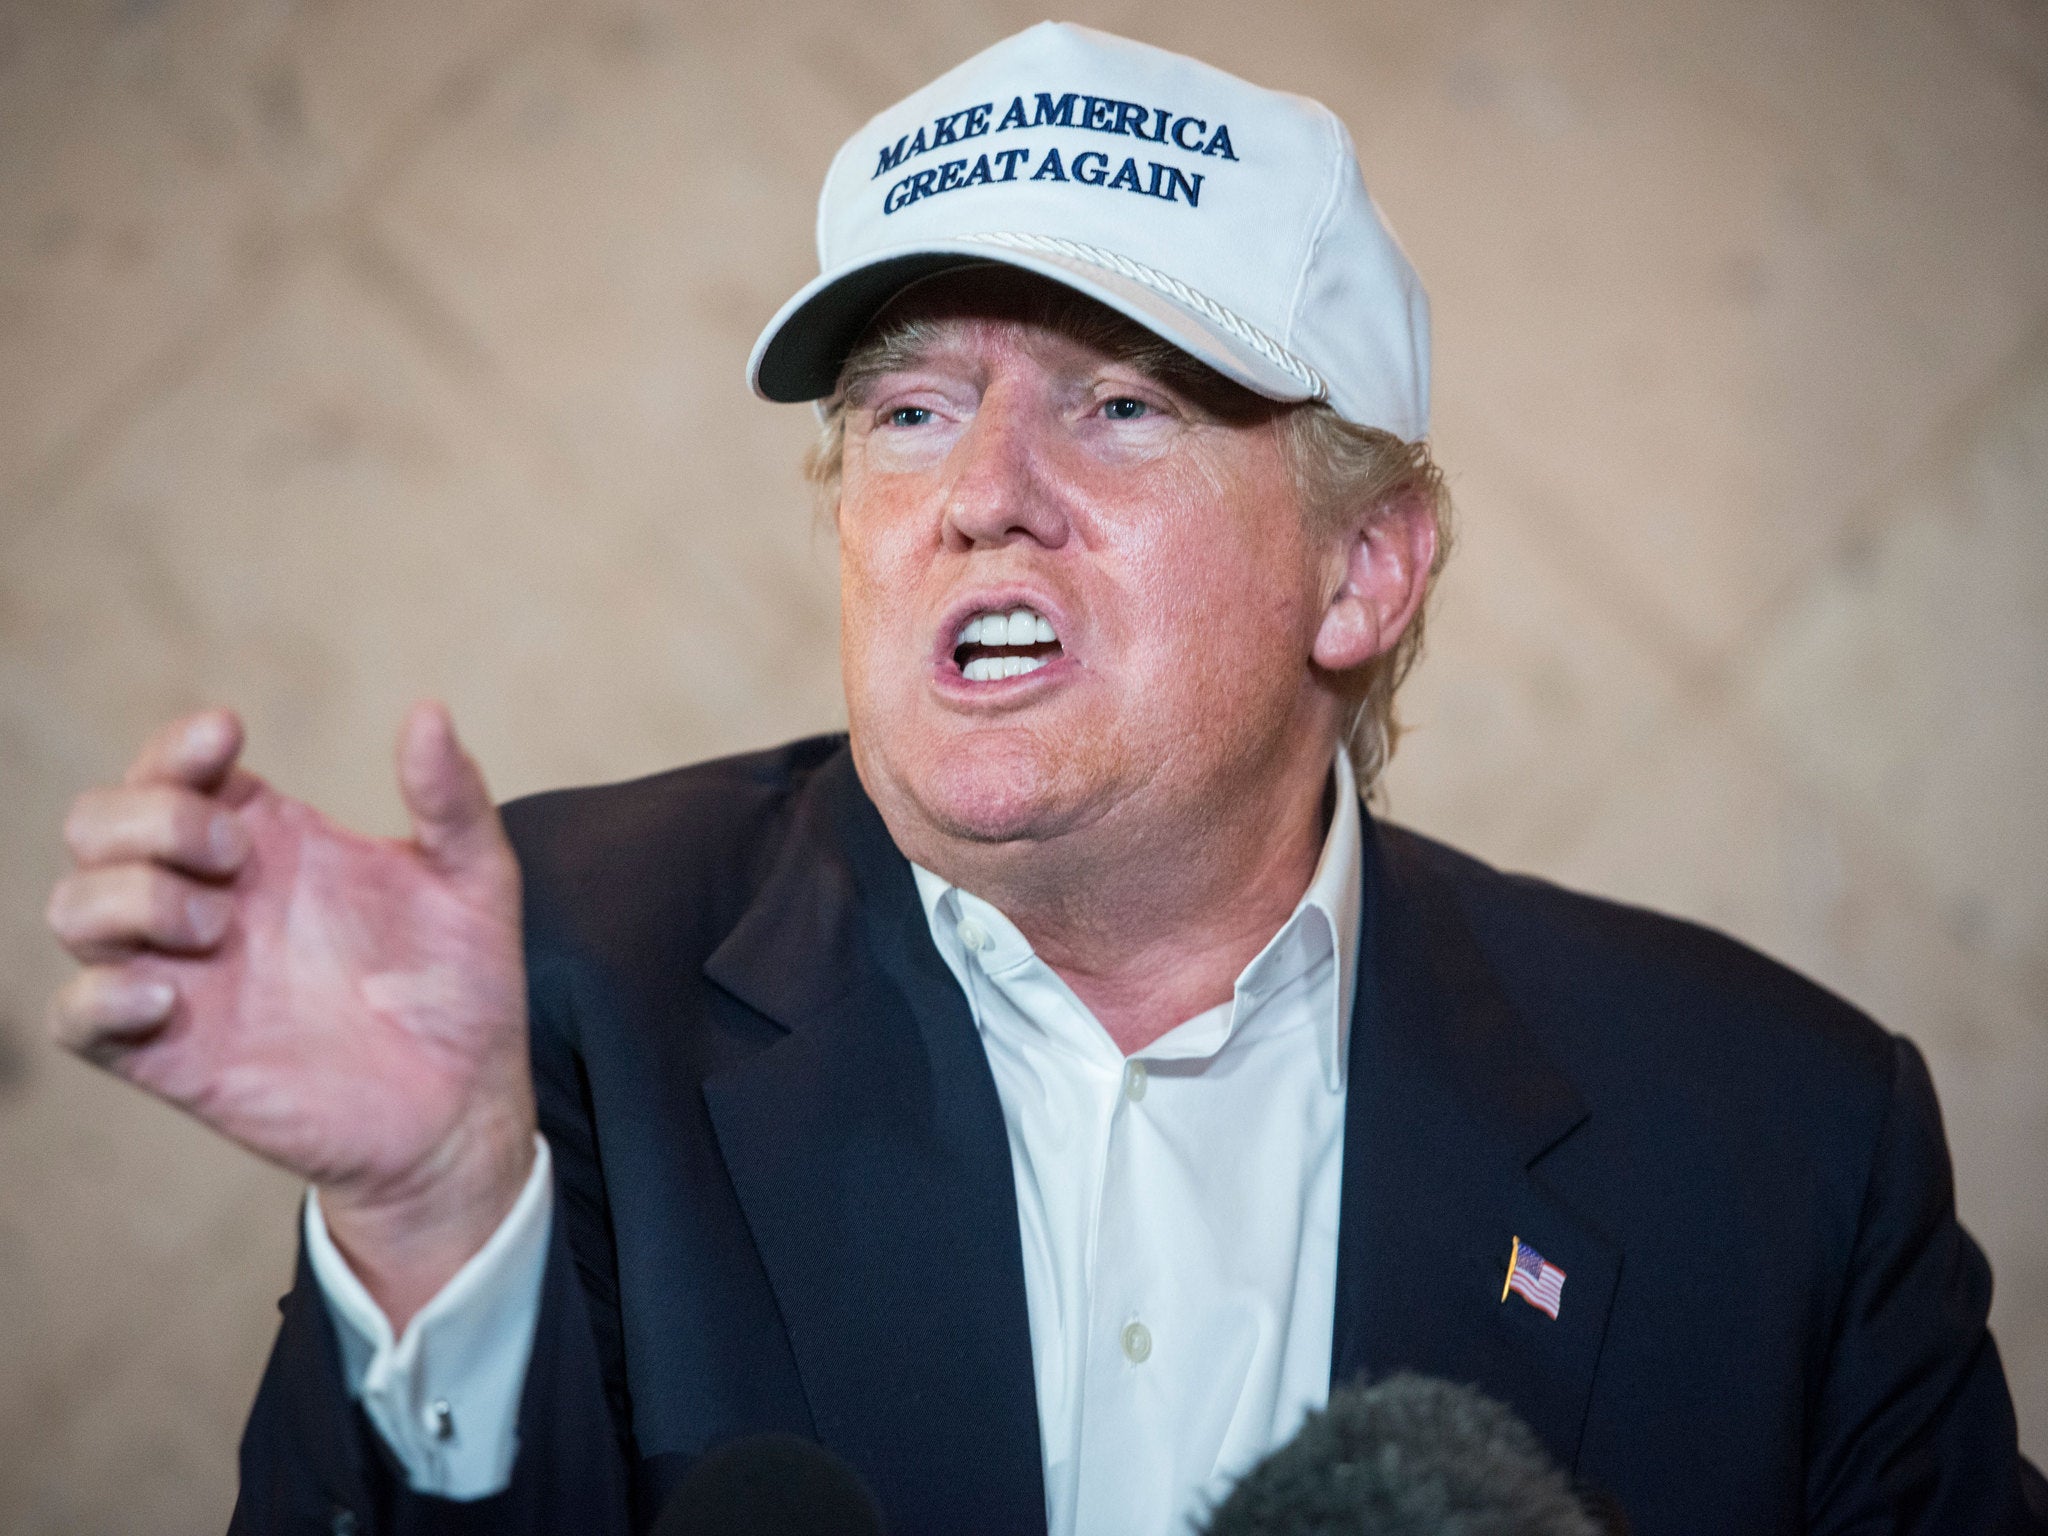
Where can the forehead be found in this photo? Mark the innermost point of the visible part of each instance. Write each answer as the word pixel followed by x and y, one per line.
pixel 993 304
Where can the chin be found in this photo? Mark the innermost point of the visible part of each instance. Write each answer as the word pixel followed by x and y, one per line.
pixel 984 786
pixel 990 797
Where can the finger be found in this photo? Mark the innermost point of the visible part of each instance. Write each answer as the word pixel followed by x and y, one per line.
pixel 453 818
pixel 111 913
pixel 105 1009
pixel 198 751
pixel 167 823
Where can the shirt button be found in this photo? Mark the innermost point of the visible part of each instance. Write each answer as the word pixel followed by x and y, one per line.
pixel 1137 1343
pixel 1135 1076
pixel 439 1419
pixel 973 935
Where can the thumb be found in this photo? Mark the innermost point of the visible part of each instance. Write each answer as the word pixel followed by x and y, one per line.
pixel 453 819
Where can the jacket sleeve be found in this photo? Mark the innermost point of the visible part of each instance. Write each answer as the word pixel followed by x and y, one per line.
pixel 1912 1426
pixel 311 1461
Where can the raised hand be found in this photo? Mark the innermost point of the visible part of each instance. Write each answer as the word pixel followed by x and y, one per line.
pixel 351 1008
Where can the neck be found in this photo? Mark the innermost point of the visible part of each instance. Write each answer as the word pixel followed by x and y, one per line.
pixel 1153 926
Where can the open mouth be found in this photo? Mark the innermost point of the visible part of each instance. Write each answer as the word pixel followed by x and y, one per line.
pixel 993 645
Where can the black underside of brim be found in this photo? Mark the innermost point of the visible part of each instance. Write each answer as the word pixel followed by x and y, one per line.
pixel 804 359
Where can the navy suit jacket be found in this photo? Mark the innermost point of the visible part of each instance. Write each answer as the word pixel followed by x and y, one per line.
pixel 785 1199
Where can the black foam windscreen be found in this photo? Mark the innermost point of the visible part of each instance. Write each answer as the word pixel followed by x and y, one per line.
pixel 763 1484
pixel 1410 1456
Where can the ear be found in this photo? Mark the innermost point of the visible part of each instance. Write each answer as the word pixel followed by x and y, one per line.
pixel 1380 588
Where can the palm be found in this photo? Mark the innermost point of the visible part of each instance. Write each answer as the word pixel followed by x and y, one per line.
pixel 360 997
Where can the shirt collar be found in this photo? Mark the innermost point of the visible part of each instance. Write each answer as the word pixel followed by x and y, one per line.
pixel 1324 924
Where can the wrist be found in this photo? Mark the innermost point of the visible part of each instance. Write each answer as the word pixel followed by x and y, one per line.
pixel 405 1239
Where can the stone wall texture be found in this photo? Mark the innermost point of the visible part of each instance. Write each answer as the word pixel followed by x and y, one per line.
pixel 354 350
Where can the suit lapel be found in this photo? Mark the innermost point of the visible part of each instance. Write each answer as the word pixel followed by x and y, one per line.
pixel 1452 1107
pixel 868 1151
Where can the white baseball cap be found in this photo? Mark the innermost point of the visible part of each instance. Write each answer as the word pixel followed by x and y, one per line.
pixel 1226 218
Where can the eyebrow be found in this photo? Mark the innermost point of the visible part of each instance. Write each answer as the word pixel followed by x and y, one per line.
pixel 909 342
pixel 902 345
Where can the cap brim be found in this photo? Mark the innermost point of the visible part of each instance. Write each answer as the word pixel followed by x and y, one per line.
pixel 800 353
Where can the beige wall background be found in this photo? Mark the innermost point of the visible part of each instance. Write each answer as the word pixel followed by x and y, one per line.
pixel 356 351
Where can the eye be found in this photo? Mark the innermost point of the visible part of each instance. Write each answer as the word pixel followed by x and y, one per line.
pixel 909 416
pixel 1125 408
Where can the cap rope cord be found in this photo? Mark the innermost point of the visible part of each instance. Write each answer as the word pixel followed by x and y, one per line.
pixel 1173 288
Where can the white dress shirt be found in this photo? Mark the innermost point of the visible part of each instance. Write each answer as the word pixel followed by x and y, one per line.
pixel 1178 1213
pixel 445 1393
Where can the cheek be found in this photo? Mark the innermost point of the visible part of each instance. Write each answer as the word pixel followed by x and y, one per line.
pixel 877 579
pixel 868 623
pixel 1221 611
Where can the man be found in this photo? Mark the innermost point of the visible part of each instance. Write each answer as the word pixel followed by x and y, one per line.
pixel 1043 1095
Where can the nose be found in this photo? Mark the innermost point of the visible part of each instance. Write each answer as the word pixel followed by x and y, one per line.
pixel 1000 490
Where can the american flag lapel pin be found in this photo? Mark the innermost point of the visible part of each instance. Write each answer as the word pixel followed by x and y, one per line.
pixel 1533 1278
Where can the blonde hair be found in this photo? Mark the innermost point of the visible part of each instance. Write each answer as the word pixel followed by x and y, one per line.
pixel 1338 469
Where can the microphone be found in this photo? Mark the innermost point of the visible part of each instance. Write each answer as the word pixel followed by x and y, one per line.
pixel 769 1485
pixel 1410 1456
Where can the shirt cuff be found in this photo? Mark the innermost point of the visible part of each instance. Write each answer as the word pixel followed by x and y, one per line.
pixel 445 1395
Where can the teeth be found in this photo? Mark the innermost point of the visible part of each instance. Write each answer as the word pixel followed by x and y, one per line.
pixel 1019 626
pixel 990 669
